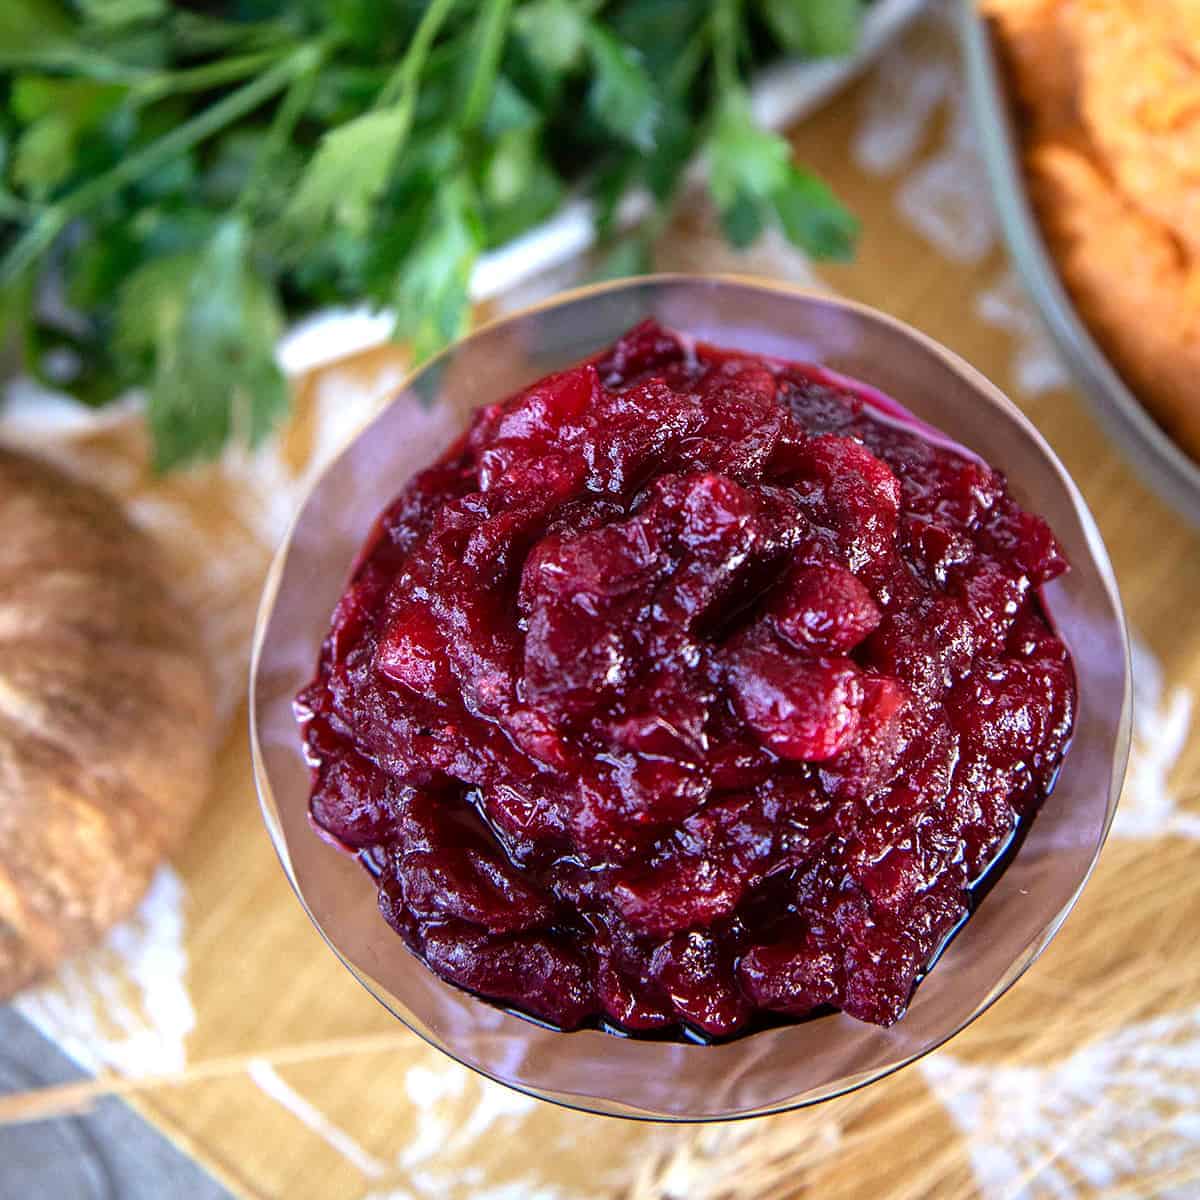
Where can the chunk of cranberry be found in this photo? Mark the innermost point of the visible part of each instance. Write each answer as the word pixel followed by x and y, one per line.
pixel 801 708
pixel 353 801
pixel 886 726
pixel 626 995
pixel 665 716
pixel 471 885
pixel 696 971
pixel 624 807
pixel 792 976
pixel 412 652
pixel 684 893
pixel 531 971
pixel 824 608
pixel 1027 540
pixel 857 491
pixel 645 347
pixel 880 962
pixel 936 546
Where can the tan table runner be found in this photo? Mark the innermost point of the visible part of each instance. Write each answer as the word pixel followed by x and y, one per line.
pixel 1085 1081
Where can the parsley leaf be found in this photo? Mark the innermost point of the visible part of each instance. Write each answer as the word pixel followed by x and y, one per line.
pixel 746 164
pixel 753 181
pixel 29 28
pixel 211 324
pixel 742 221
pixel 123 12
pixel 431 298
pixel 817 30
pixel 518 185
pixel 59 113
pixel 814 219
pixel 622 96
pixel 349 171
pixel 509 109
pixel 553 32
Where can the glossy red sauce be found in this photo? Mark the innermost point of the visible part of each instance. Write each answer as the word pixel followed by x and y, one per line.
pixel 688 687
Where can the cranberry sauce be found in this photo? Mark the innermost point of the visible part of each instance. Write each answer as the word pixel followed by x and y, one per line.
pixel 685 690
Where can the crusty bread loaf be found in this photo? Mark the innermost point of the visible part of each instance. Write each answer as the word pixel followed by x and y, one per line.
pixel 106 717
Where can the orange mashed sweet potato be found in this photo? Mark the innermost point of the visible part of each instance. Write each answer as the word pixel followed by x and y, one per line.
pixel 1109 99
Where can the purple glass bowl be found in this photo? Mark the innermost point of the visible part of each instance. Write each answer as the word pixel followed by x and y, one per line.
pixel 777 1068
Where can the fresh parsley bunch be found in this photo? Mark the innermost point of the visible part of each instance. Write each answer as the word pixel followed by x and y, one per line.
pixel 177 177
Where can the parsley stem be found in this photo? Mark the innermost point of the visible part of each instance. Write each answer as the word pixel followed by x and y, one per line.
pixel 725 19
pixel 88 65
pixel 290 110
pixel 12 208
pixel 401 88
pixel 687 66
pixel 199 79
pixel 51 221
pixel 492 26
pixel 399 92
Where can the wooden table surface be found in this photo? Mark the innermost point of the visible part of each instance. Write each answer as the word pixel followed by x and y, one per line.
pixel 1085 1080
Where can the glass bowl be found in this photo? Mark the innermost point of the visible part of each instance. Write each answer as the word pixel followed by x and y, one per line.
pixel 777 1068
pixel 1162 465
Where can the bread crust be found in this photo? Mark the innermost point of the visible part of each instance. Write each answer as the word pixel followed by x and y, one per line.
pixel 107 720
